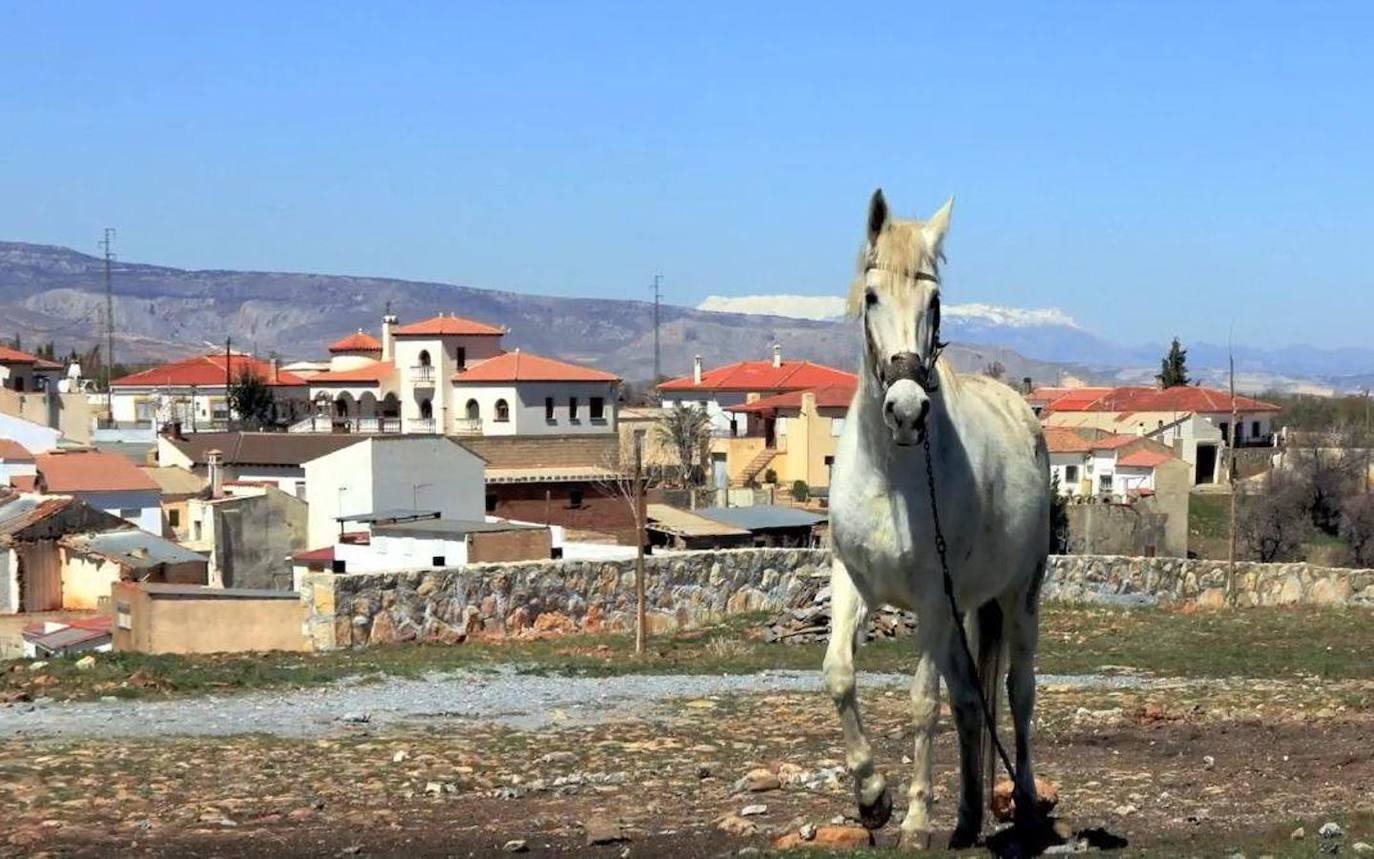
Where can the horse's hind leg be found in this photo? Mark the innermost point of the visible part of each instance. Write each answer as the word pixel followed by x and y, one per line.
pixel 925 709
pixel 848 614
pixel 1023 638
pixel 968 719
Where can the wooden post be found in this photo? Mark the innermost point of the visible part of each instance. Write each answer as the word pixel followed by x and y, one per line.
pixel 1231 477
pixel 639 546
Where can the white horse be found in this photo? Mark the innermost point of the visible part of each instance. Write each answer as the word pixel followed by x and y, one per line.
pixel 991 475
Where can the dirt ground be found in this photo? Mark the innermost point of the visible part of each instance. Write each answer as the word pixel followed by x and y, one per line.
pixel 1206 769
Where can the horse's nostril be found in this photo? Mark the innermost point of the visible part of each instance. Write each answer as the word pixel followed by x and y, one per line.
pixel 889 407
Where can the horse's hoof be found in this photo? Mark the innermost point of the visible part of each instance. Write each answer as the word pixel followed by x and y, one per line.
pixel 915 839
pixel 877 815
pixel 963 838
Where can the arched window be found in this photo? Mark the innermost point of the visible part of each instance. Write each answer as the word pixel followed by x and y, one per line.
pixel 391 407
pixel 426 409
pixel 341 407
pixel 502 411
pixel 474 411
pixel 424 357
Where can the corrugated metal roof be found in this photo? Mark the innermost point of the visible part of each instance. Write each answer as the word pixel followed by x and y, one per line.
pixel 456 528
pixel 665 517
pixel 132 548
pixel 762 516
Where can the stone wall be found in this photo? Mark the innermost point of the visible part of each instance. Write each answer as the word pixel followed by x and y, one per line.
pixel 1175 580
pixel 684 590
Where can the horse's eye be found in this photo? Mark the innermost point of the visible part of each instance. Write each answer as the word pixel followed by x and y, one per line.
pixel 870 297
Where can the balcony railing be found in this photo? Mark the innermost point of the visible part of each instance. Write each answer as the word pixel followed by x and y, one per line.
pixel 422 374
pixel 421 425
pixel 327 423
pixel 467 426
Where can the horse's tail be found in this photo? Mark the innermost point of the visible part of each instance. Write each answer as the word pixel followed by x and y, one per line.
pixel 989 660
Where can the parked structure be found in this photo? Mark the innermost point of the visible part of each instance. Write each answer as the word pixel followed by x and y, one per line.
pixel 247 532
pixel 194 392
pixel 176 486
pixel 756 407
pixel 171 618
pixel 68 637
pixel 251 457
pixel 106 481
pixel 451 376
pixel 1194 420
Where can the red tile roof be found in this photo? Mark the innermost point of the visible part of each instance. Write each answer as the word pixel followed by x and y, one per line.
pixel 24 482
pixel 763 376
pixel 520 366
pixel 359 342
pixel 379 371
pixel 1143 458
pixel 91 471
pixel 1114 441
pixel 1130 399
pixel 13 451
pixel 208 371
pixel 1066 440
pixel 442 325
pixel 324 555
pixel 14 356
pixel 827 397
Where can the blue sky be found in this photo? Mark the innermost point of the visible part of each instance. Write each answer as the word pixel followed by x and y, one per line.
pixel 1150 168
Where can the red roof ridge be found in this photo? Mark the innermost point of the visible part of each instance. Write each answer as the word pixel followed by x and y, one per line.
pixel 518 366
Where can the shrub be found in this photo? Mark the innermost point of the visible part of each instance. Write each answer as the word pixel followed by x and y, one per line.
pixel 800 490
pixel 770 476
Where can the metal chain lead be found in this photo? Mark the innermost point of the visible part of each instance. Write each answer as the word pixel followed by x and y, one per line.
pixel 940 548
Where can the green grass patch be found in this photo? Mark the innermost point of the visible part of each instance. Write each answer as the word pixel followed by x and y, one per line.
pixel 1257 643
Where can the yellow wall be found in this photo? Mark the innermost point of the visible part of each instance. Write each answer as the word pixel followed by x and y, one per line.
pixel 212 624
pixel 85 579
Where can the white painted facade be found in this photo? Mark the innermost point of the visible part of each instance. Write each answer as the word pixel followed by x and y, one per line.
pixel 140 507
pixel 35 437
pixel 196 405
pixel 393 472
pixel 576 408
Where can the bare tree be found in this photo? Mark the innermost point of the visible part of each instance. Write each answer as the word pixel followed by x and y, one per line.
pixel 995 370
pixel 1330 466
pixel 1357 529
pixel 686 431
pixel 1276 523
pixel 630 485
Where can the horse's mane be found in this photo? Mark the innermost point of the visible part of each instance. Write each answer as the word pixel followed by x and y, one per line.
pixel 901 250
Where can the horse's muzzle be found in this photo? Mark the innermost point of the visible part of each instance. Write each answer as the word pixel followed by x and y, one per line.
pixel 905 407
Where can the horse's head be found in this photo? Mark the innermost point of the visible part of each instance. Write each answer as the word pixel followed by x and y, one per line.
pixel 897 295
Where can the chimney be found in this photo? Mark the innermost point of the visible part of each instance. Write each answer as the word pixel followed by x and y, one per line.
pixel 276 369
pixel 214 463
pixel 696 370
pixel 777 355
pixel 808 403
pixel 388 337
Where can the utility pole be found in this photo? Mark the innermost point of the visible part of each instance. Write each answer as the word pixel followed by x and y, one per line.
pixel 658 369
pixel 228 386
pixel 109 324
pixel 639 545
pixel 1231 476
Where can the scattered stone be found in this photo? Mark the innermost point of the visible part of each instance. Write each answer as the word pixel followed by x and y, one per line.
pixel 515 845
pixel 1126 810
pixel 603 830
pixel 356 718
pixel 753 810
pixel 39 665
pixel 1362 847
pixel 704 771
pixel 807 832
pixel 557 758
pixel 842 837
pixel 1331 829
pixel 85 663
pixel 758 781
pixel 399 756
pixel 1004 802
pixel 1297 834
pixel 747 851
pixel 733 824
pixel 1209 762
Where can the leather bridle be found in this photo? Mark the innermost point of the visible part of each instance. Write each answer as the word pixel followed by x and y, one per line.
pixel 907 365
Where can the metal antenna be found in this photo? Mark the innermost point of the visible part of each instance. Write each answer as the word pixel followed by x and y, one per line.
pixel 658 370
pixel 109 324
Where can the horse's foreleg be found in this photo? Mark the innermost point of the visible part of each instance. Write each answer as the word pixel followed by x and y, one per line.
pixel 968 719
pixel 1022 643
pixel 848 613
pixel 925 709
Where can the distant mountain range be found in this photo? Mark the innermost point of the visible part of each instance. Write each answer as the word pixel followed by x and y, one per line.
pixel 55 293
pixel 1051 335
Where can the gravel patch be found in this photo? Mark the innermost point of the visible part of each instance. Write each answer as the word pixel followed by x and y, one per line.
pixel 504 697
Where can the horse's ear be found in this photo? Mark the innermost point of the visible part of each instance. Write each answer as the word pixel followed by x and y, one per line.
pixel 877 215
pixel 936 228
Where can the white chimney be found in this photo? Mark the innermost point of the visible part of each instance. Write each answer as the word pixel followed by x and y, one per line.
pixel 276 369
pixel 388 338
pixel 214 463
pixel 696 370
pixel 777 355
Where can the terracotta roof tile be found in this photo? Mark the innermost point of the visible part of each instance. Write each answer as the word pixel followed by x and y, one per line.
pixel 520 366
pixel 374 373
pixel 1066 440
pixel 91 471
pixel 442 325
pixel 1130 399
pixel 1144 458
pixel 827 397
pixel 209 371
pixel 13 451
pixel 762 376
pixel 360 342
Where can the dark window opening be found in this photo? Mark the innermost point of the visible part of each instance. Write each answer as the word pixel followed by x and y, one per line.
pixel 575 498
pixel 174 518
pixel 1070 474
pixel 548 409
pixel 338 566
pixel 502 411
pixel 598 408
pixel 491 502
pixel 1254 429
pixel 572 408
pixel 462 357
pixel 437 560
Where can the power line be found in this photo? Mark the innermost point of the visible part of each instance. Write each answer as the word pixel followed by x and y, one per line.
pixel 658 370
pixel 109 323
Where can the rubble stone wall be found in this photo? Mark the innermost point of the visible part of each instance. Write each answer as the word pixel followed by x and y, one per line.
pixel 688 589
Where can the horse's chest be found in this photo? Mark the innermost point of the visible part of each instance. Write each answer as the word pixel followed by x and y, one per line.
pixel 875 531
